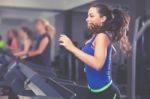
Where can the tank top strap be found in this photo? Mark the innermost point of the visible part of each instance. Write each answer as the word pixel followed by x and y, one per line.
pixel 107 34
pixel 46 35
pixel 93 39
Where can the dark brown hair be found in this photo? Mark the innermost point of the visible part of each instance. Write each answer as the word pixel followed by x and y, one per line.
pixel 27 31
pixel 14 32
pixel 117 22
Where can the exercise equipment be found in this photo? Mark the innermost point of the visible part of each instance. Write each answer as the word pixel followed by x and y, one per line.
pixel 25 81
pixel 141 59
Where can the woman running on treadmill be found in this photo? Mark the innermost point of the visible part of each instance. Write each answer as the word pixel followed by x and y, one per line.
pixel 106 26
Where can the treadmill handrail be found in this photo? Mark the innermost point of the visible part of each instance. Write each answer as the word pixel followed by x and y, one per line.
pixel 141 31
pixel 62 86
pixel 137 34
pixel 31 74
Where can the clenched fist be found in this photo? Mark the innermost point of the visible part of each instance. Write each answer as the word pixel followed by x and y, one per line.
pixel 66 42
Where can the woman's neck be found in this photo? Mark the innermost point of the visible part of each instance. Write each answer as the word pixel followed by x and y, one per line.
pixel 42 32
pixel 26 38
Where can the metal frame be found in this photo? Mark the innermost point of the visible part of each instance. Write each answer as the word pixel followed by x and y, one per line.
pixel 137 34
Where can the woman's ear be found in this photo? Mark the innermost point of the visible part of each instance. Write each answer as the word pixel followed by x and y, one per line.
pixel 103 19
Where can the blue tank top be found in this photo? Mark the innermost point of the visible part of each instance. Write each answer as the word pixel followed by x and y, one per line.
pixel 98 79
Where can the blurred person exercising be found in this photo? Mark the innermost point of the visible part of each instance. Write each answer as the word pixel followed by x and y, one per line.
pixel 25 36
pixel 14 42
pixel 2 43
pixel 41 55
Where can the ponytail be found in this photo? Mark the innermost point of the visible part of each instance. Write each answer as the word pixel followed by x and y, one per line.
pixel 50 30
pixel 48 27
pixel 117 23
pixel 119 31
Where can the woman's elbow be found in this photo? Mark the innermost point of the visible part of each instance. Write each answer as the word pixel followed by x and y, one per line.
pixel 40 52
pixel 25 52
pixel 98 66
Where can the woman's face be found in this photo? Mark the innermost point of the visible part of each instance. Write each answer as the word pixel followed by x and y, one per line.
pixel 94 18
pixel 22 34
pixel 11 34
pixel 39 26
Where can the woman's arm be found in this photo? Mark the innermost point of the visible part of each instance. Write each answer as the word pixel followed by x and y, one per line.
pixel 27 45
pixel 100 46
pixel 40 49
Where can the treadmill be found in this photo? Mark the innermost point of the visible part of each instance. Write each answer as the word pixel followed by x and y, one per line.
pixel 26 82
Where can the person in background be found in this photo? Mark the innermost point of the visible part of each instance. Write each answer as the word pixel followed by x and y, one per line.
pixel 25 36
pixel 41 55
pixel 2 43
pixel 14 44
pixel 8 38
